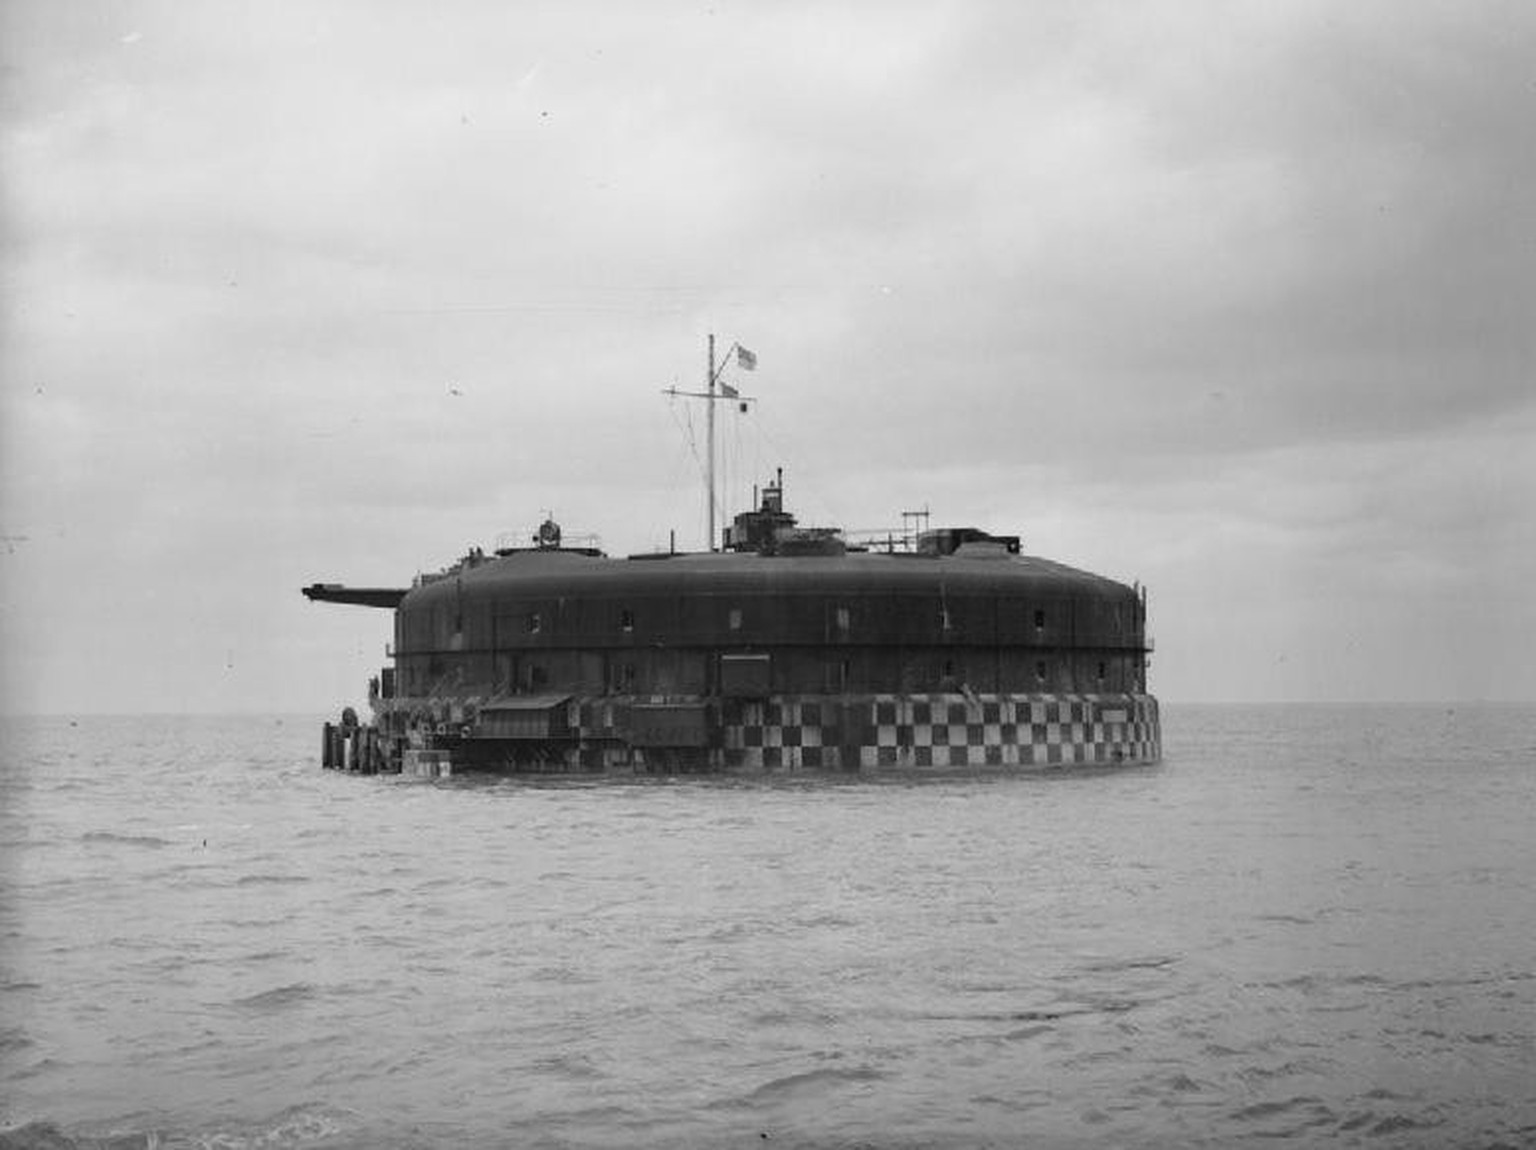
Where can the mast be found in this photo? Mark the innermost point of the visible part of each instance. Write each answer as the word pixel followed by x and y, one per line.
pixel 710 469
pixel 715 390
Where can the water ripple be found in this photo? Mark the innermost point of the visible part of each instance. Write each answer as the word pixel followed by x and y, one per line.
pixel 1246 944
pixel 278 998
pixel 124 840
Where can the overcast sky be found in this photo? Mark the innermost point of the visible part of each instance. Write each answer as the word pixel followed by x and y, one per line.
pixel 1235 299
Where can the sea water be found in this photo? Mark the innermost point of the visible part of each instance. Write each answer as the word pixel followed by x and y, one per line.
pixel 1307 925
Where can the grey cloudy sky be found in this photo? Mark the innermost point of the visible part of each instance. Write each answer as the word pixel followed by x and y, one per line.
pixel 1236 299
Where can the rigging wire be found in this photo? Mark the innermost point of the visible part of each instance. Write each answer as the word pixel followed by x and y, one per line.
pixel 747 428
pixel 688 435
pixel 804 495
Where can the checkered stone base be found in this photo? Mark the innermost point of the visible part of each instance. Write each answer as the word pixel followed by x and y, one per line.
pixel 823 732
pixel 938 731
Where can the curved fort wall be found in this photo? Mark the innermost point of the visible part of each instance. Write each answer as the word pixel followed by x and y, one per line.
pixel 564 660
pixel 535 623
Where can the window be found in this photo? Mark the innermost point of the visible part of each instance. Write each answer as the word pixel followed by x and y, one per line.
pixel 734 619
pixel 744 676
pixel 535 623
pixel 1039 670
pixel 1039 620
pixel 844 620
pixel 835 676
pixel 1101 669
pixel 626 619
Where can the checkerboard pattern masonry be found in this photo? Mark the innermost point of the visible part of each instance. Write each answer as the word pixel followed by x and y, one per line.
pixel 792 732
pixel 846 732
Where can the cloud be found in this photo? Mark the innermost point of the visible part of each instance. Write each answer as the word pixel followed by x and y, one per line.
pixel 1228 296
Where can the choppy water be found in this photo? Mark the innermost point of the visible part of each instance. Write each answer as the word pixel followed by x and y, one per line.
pixel 1307 926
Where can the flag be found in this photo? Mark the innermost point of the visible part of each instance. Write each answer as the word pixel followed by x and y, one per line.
pixel 747 359
pixel 728 391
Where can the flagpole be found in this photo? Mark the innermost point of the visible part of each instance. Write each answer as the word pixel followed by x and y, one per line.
pixel 710 470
